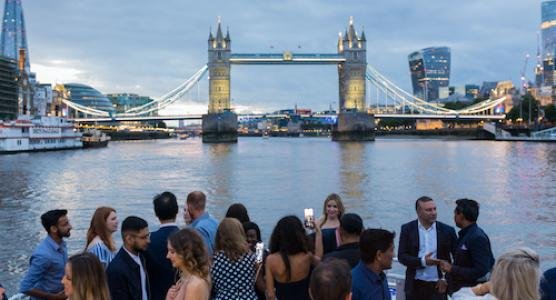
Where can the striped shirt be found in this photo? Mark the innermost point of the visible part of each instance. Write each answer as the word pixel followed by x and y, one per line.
pixel 102 252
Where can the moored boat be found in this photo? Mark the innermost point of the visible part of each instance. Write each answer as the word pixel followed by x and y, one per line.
pixel 94 138
pixel 38 133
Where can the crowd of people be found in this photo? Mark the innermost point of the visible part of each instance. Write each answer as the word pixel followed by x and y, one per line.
pixel 334 257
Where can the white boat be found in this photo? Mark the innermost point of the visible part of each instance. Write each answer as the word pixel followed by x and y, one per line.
pixel 38 133
pixel 94 138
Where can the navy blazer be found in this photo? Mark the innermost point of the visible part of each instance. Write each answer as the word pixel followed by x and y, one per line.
pixel 473 258
pixel 161 273
pixel 124 277
pixel 408 249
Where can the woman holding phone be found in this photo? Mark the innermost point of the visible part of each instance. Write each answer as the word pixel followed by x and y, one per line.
pixel 332 211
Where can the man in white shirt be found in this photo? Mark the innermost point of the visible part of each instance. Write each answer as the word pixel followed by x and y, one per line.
pixel 127 275
pixel 423 243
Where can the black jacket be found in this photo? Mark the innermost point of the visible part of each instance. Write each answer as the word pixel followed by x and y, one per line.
pixel 161 273
pixel 348 252
pixel 408 249
pixel 473 258
pixel 124 277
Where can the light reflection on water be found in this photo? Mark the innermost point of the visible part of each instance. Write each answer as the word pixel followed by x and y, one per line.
pixel 514 182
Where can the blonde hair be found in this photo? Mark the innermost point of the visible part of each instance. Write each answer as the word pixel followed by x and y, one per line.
pixel 88 278
pixel 515 275
pixel 339 203
pixel 192 250
pixel 230 239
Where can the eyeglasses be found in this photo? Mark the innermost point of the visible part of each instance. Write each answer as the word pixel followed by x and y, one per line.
pixel 143 237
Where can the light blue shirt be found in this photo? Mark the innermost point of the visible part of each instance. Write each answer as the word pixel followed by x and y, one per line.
pixel 104 254
pixel 46 268
pixel 427 244
pixel 206 226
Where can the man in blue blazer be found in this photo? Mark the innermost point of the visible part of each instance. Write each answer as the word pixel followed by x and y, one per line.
pixel 423 242
pixel 473 258
pixel 160 270
pixel 127 275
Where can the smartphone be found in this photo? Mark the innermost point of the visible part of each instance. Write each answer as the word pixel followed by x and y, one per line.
pixel 259 249
pixel 309 218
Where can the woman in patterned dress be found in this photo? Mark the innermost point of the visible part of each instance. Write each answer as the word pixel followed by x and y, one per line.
pixel 187 253
pixel 99 236
pixel 234 267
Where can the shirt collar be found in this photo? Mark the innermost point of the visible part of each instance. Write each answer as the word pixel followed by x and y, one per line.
pixel 374 277
pixel 433 226
pixel 168 225
pixel 465 230
pixel 133 256
pixel 55 245
pixel 205 215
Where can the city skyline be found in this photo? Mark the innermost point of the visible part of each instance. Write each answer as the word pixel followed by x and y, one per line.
pixel 149 49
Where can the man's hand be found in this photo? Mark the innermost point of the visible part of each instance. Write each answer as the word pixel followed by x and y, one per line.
pixel 441 286
pixel 445 266
pixel 430 261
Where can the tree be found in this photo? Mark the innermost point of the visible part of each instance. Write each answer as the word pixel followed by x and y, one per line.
pixel 550 113
pixel 527 103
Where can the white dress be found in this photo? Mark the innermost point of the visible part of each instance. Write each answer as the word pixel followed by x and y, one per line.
pixel 467 294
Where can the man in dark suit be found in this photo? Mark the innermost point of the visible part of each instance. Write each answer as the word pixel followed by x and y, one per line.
pixel 161 273
pixel 422 243
pixel 127 275
pixel 473 258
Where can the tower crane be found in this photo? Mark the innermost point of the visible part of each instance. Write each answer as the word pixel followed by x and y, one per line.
pixel 524 83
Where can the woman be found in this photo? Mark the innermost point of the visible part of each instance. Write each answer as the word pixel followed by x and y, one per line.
pixel 234 267
pixel 289 265
pixel 332 211
pixel 515 276
pixel 84 278
pixel 253 234
pixel 187 253
pixel 99 236
pixel 239 212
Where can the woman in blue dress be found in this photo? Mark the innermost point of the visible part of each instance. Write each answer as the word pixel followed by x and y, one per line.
pixel 99 236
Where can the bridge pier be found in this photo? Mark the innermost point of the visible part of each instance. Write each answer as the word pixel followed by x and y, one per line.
pixel 354 126
pixel 220 127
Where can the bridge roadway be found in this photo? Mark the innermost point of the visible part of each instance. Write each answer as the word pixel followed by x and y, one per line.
pixel 285 58
pixel 254 116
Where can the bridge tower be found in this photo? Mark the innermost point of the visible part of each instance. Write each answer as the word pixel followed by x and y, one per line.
pixel 220 124
pixel 354 123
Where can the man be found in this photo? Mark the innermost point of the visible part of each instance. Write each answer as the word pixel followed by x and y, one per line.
pixel 473 258
pixel 47 263
pixel 331 281
pixel 159 268
pixel 548 285
pixel 351 226
pixel 201 220
pixel 368 279
pixel 127 278
pixel 422 243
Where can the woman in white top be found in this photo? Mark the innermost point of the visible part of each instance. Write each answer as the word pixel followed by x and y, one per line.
pixel 99 236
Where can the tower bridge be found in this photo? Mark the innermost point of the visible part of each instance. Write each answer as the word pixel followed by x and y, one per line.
pixel 353 120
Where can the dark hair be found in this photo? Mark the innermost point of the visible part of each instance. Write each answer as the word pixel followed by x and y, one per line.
pixel 288 238
pixel 351 223
pixel 51 217
pixel 373 240
pixel 197 200
pixel 330 280
pixel 469 208
pixel 422 199
pixel 134 224
pixel 239 212
pixel 189 245
pixel 165 206
pixel 252 226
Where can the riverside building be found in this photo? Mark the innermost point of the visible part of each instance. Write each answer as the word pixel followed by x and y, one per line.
pixel 8 89
pixel 430 70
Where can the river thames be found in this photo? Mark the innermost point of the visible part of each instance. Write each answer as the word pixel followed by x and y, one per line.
pixel 515 183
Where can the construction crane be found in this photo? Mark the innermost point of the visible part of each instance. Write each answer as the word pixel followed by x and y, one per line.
pixel 524 83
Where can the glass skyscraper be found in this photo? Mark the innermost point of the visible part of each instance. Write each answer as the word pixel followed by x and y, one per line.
pixel 13 36
pixel 430 70
pixel 548 33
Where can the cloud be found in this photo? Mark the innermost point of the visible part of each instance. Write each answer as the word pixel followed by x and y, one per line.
pixel 150 47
